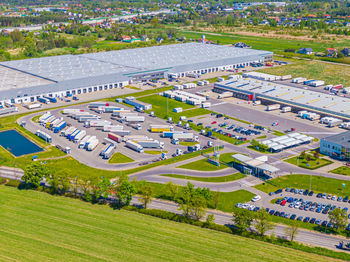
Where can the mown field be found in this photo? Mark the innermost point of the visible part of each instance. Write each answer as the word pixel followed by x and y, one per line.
pixel 35 226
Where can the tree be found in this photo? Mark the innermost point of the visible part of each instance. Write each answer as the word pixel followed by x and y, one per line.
pixel 146 192
pixel 210 219
pixel 173 190
pixel 216 199
pixel 242 219
pixel 338 218
pixel 34 173
pixel 316 155
pixel 198 207
pixel 100 188
pixel 302 155
pixel 292 230
pixel 125 190
pixel 262 222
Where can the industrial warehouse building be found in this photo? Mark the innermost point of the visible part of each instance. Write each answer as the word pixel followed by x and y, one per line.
pixel 336 146
pixel 23 81
pixel 272 93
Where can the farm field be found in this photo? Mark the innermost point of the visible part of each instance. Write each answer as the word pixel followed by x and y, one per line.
pixel 318 184
pixel 219 179
pixel 330 73
pixel 39 227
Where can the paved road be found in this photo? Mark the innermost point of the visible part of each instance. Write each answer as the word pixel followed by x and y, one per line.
pixel 304 236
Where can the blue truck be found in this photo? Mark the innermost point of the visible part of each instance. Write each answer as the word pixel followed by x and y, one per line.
pixel 51 99
pixel 43 100
pixel 60 127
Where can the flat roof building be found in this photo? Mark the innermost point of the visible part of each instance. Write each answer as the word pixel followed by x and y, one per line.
pixel 336 146
pixel 57 76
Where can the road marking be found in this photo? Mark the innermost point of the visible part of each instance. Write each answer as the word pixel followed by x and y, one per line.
pixel 221 103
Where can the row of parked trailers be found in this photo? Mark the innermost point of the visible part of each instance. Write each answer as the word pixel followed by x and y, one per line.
pixel 51 122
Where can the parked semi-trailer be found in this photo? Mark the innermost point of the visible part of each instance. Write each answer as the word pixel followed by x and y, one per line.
pixel 122 132
pixel 97 104
pixel 125 114
pixel 76 115
pixel 51 99
pixel 44 117
pixel 111 128
pixel 273 107
pixel 60 126
pixel 206 105
pixel 134 146
pixel 44 136
pixel 54 123
pixel 79 136
pixel 92 138
pixel 150 143
pixel 108 151
pixel 49 119
pixel 67 131
pixel 92 145
pixel 97 123
pixel 307 82
pixel 136 137
pixel 184 136
pixel 33 106
pixel 70 111
pixel 88 118
pixel 72 132
pixel 118 112
pixel 160 128
pixel 298 80
pixel 43 100
pixel 72 135
pixel 107 109
pixel 115 137
pixel 286 109
pixel 134 118
pixel 83 141
pixel 317 83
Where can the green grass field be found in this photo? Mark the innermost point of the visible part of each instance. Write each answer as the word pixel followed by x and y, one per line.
pixel 154 152
pixel 343 170
pixel 39 227
pixel 330 73
pixel 202 165
pixel 188 143
pixel 312 164
pixel 219 179
pixel 318 184
pixel 119 158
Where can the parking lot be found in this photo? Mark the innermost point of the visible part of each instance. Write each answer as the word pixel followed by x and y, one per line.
pixel 143 158
pixel 301 204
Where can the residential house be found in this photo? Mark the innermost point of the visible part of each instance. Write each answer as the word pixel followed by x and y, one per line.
pixel 331 52
pixel 346 51
pixel 305 51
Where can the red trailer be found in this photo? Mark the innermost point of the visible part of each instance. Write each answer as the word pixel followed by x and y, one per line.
pixel 115 137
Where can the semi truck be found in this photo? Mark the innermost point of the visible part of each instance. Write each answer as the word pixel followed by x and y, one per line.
pixel 150 143
pixel 112 128
pixel 92 145
pixel 43 100
pixel 160 128
pixel 286 109
pixel 134 118
pixel 134 146
pixel 108 151
pixel 51 99
pixel 97 123
pixel 122 132
pixel 68 135
pixel 44 136
pixel 273 107
pixel 33 106
pixel 79 136
pixel 115 137
pixel 60 126
pixel 316 83
pixel 97 104
pixel 70 111
pixel 72 135
pixel 83 141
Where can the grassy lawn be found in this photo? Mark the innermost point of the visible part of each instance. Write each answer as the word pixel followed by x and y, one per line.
pixel 188 143
pixel 261 137
pixel 65 229
pixel 202 165
pixel 318 184
pixel 227 158
pixel 312 164
pixel 154 152
pixel 278 133
pixel 260 150
pixel 343 170
pixel 119 158
pixel 330 73
pixel 219 179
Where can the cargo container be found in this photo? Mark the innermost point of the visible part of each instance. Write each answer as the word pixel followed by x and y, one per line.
pixel 43 100
pixel 273 107
pixel 72 135
pixel 134 118
pixel 206 105
pixel 79 136
pixel 125 114
pixel 8 110
pixel 44 116
pixel 122 132
pixel 115 137
pixel 68 135
pixel 92 138
pixel 97 104
pixel 177 109
pixel 108 151
pixel 97 123
pixel 136 137
pixel 33 106
pixel 286 77
pixel 150 143
pixel 70 111
pixel 119 112
pixel 76 115
pixel 225 95
pixel 44 136
pixel 316 83
pixel 54 123
pixel 59 127
pixel 160 128
pixel 51 99
pixel 286 109
pixel 298 80
pixel 83 141
pixel 307 82
pixel 134 146
pixel 92 145
pixel 111 128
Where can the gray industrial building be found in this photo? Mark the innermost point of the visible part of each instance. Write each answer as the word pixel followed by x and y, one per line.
pixel 23 81
pixel 336 146
pixel 272 93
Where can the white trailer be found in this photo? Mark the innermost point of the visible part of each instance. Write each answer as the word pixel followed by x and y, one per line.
pixel 79 136
pixel 92 145
pixel 125 114
pixel 150 143
pixel 136 137
pixel 225 95
pixel 134 146
pixel 286 109
pixel 70 111
pixel 345 125
pixel 299 80
pixel 44 116
pixel 68 131
pixel 83 141
pixel 317 83
pixel 33 106
pixel 206 105
pixel 97 123
pixel 112 128
pixel 183 136
pixel 273 107
pixel 135 118
pixel 286 77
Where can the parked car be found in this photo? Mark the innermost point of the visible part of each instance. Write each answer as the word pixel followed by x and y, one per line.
pixel 300 218
pixel 293 216
pixel 306 219
pixel 312 220
pixel 318 222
